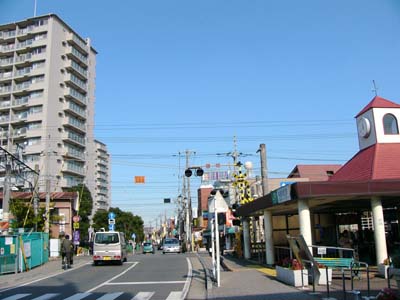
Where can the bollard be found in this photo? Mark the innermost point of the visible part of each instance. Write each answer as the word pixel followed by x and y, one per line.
pixel 368 283
pixel 344 285
pixel 327 281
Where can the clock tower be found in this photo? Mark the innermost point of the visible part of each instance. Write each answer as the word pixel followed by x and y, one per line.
pixel 378 123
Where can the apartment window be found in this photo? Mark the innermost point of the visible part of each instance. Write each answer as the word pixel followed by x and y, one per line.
pixel 390 125
pixel 35 109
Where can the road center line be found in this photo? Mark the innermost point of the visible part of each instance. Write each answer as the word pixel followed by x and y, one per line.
pixel 111 279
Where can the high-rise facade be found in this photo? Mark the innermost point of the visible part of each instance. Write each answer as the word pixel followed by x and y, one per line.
pixel 47 100
pixel 102 188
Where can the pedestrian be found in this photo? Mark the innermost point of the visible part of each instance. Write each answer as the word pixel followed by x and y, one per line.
pixel 345 241
pixel 66 252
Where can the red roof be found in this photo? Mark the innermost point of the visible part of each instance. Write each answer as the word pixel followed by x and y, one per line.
pixel 378 102
pixel 314 172
pixel 379 161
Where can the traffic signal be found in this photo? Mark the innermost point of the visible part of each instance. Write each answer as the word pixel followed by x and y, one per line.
pixel 236 222
pixel 221 218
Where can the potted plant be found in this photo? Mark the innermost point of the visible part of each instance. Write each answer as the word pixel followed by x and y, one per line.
pixel 290 271
pixel 383 267
pixel 394 271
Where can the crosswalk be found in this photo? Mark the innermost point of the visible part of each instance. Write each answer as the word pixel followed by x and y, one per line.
pixel 175 295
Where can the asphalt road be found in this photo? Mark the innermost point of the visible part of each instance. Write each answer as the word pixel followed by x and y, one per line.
pixel 150 276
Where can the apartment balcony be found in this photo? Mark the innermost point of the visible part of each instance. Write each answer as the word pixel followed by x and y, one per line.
pixel 8 35
pixel 74 139
pixel 5 119
pixel 102 176
pixel 34 117
pixel 19 133
pixel 76 83
pixel 74 109
pixel 5 105
pixel 75 124
pixel 31 29
pixel 5 89
pixel 77 56
pixel 7 61
pixel 73 67
pixel 73 169
pixel 75 95
pixel 21 102
pixel 20 118
pixel 31 43
pixel 28 85
pixel 77 42
pixel 7 48
pixel 73 154
pixel 6 76
pixel 23 59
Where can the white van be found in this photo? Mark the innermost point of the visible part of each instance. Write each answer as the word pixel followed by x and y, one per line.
pixel 109 246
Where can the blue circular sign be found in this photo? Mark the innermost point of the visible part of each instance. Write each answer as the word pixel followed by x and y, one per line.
pixel 111 215
pixel 133 235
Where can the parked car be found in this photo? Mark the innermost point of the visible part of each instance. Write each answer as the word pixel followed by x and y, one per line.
pixel 148 248
pixel 171 245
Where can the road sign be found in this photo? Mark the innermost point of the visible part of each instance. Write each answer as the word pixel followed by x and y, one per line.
pixel 76 218
pixel 111 215
pixel 111 221
pixel 133 235
pixel 111 227
pixel 76 225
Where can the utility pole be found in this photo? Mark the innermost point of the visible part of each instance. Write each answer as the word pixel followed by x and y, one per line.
pixel 189 206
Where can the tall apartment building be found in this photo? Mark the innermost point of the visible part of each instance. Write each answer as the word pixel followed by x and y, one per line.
pixel 47 100
pixel 101 197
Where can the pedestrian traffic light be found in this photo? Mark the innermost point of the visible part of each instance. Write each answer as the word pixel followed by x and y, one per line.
pixel 236 222
pixel 221 218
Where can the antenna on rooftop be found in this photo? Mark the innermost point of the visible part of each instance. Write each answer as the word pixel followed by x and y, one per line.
pixel 375 89
pixel 34 9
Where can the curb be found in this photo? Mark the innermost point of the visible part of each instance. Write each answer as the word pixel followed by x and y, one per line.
pixel 208 279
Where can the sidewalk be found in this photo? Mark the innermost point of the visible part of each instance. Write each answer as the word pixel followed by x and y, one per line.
pixel 243 279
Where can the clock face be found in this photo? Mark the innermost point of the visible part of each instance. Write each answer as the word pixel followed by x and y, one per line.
pixel 364 127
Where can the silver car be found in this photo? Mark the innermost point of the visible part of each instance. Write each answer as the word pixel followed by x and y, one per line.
pixel 171 245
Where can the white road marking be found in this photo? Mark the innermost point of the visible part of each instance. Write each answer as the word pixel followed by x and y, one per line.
pixel 15 297
pixel 143 282
pixel 111 279
pixel 46 296
pixel 78 296
pixel 110 296
pixel 143 296
pixel 188 279
pixel 174 296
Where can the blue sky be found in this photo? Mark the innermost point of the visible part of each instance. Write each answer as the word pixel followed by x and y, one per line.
pixel 190 75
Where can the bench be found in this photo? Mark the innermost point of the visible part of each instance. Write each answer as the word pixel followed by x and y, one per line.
pixel 335 262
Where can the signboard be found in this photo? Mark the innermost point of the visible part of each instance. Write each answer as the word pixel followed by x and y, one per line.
pixel 111 221
pixel 321 250
pixel 111 227
pixel 111 215
pixel 76 225
pixel 76 237
pixel 76 218
pixel 167 200
pixel 205 214
pixel 281 194
pixel 133 235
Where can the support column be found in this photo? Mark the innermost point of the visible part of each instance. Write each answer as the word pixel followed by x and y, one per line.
pixel 379 230
pixel 269 241
pixel 246 238
pixel 305 221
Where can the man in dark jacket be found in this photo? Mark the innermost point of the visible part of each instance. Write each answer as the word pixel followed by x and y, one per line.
pixel 66 252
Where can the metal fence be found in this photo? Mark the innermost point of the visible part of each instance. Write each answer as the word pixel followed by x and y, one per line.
pixel 22 251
